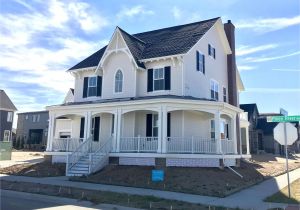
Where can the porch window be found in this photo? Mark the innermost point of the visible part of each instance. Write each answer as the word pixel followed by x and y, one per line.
pixel 212 129
pixel 9 116
pixel 155 125
pixel 119 82
pixel 159 79
pixel 224 94
pixel 92 86
pixel 224 130
pixel 214 90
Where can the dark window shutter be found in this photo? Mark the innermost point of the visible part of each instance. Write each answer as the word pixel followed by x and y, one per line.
pixel 99 86
pixel 209 49
pixel 82 120
pixel 149 125
pixel 169 125
pixel 197 60
pixel 168 78
pixel 150 80
pixel 96 128
pixel 203 63
pixel 85 87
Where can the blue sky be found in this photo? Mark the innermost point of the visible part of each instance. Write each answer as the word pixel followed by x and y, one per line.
pixel 41 39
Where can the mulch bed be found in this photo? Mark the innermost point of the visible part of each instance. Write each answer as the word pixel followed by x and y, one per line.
pixel 43 169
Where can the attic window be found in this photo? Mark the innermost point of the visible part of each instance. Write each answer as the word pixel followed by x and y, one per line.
pixel 211 51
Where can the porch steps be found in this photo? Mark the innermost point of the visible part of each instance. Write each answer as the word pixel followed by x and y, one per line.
pixel 80 168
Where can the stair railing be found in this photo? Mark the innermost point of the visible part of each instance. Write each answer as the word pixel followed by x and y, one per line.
pixel 82 150
pixel 99 158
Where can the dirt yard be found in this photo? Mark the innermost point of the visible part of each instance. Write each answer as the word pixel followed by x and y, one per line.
pixel 20 157
pixel 203 181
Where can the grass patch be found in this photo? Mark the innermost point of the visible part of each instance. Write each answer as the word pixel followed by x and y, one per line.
pixel 282 195
pixel 97 197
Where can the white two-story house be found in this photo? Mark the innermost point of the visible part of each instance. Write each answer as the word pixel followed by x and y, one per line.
pixel 168 97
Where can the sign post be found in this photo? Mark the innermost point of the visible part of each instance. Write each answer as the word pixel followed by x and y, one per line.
pixel 285 134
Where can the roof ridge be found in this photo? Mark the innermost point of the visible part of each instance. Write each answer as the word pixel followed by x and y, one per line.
pixel 131 35
pixel 177 26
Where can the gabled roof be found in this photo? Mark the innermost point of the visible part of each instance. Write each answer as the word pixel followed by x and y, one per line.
pixel 5 102
pixel 158 43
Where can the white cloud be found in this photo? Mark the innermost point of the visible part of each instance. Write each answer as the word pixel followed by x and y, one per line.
pixel 263 59
pixel 134 11
pixel 245 50
pixel 268 24
pixel 184 16
pixel 177 13
pixel 287 70
pixel 245 68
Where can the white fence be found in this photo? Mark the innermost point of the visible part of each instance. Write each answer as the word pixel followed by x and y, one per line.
pixel 66 144
pixel 138 144
pixel 191 145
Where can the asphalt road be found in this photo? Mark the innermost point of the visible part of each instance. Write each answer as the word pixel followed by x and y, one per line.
pixel 11 200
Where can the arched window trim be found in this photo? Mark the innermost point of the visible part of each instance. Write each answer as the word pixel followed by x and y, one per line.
pixel 119 80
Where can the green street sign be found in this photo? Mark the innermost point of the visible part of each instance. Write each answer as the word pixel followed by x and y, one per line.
pixel 283 118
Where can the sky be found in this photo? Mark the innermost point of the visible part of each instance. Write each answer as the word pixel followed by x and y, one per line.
pixel 40 40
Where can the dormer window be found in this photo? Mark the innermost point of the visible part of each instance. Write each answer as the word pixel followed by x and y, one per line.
pixel 119 82
pixel 159 79
pixel 92 86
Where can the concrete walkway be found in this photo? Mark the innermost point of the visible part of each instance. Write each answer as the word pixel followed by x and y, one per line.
pixel 251 198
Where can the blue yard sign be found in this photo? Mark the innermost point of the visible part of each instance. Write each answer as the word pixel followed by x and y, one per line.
pixel 157 175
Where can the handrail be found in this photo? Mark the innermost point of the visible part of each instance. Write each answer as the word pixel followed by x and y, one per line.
pixel 81 150
pixel 99 157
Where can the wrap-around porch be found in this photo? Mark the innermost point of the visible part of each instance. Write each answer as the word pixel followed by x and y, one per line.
pixel 160 129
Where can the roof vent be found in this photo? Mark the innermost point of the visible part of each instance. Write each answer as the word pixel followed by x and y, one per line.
pixel 228 21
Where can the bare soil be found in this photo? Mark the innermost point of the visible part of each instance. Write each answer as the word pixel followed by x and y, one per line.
pixel 97 197
pixel 42 169
pixel 202 181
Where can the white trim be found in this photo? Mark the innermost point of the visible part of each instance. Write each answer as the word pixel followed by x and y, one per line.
pixel 160 58
pixel 10 117
pixel 92 68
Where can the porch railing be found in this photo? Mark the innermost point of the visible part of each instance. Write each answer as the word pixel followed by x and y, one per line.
pixel 227 146
pixel 138 144
pixel 66 144
pixel 191 145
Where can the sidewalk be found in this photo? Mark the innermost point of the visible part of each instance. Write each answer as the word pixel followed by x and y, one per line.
pixel 251 198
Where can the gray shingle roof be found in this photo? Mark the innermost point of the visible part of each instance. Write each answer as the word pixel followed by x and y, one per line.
pixel 5 102
pixel 158 43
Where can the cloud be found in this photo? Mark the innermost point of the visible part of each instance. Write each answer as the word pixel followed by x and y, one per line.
pixel 38 45
pixel 263 59
pixel 246 50
pixel 184 16
pixel 245 68
pixel 177 13
pixel 268 24
pixel 134 11
pixel 287 70
pixel 273 90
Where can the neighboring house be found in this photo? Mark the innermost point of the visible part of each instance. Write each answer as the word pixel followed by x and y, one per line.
pixel 167 97
pixel 32 127
pixel 7 110
pixel 261 132
pixel 69 97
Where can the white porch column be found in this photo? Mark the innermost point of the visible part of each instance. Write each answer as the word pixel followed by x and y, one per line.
pixel 233 133
pixel 114 146
pixel 87 125
pixel 160 131
pixel 247 140
pixel 218 132
pixel 119 120
pixel 50 132
pixel 164 130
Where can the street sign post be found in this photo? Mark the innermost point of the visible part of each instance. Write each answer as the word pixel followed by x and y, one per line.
pixel 285 134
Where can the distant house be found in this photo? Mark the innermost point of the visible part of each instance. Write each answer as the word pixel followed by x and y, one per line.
pixel 7 109
pixel 32 127
pixel 261 132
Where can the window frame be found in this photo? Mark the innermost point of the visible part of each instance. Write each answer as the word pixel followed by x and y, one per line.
pixel 163 78
pixel 88 86
pixel 202 58
pixel 212 129
pixel 153 124
pixel 122 81
pixel 8 136
pixel 9 116
pixel 211 51
pixel 224 94
pixel 215 93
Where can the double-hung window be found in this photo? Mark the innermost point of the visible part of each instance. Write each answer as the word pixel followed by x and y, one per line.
pixel 9 116
pixel 224 94
pixel 155 125
pixel 119 82
pixel 92 86
pixel 214 90
pixel 211 51
pixel 200 62
pixel 159 79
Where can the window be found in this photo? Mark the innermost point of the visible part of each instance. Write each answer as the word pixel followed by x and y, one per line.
pixel 35 118
pixel 92 86
pixel 214 90
pixel 119 82
pixel 9 116
pixel 6 136
pixel 224 94
pixel 212 129
pixel 159 79
pixel 200 62
pixel 211 51
pixel 224 130
pixel 154 125
pixel 26 117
